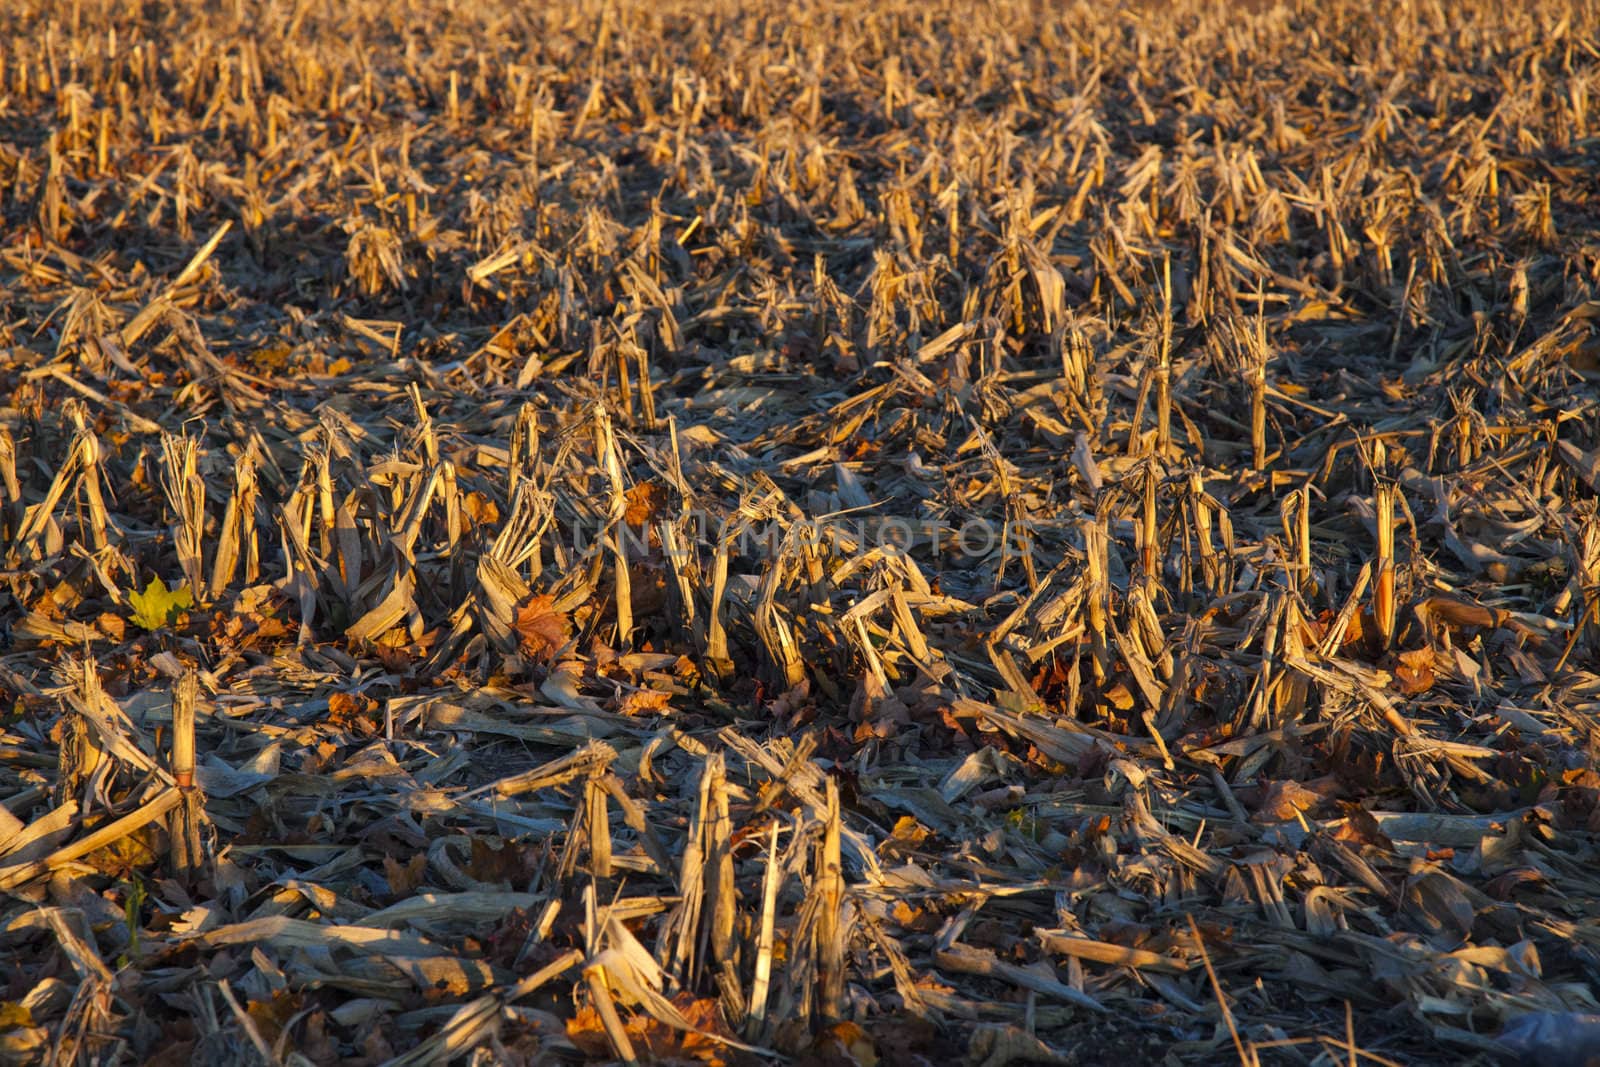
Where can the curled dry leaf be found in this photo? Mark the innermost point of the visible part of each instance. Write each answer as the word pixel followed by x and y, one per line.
pixel 645 501
pixel 542 630
pixel 644 702
pixel 404 878
pixel 1414 672
pixel 1284 800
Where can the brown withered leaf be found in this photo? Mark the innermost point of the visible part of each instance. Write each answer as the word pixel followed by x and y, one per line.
pixel 131 852
pixel 645 702
pixel 904 914
pixel 113 626
pixel 662 1043
pixel 1283 800
pixel 354 712
pixel 843 1044
pixel 645 501
pixel 479 509
pixel 1120 696
pixel 272 1015
pixel 587 1031
pixel 404 877
pixel 1414 672
pixel 1360 828
pixel 496 860
pixel 543 629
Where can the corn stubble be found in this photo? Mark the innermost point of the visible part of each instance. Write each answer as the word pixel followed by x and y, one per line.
pixel 707 531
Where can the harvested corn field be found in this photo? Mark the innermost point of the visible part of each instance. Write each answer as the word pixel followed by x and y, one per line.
pixel 830 533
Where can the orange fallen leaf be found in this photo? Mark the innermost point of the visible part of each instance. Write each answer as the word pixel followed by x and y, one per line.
pixel 479 509
pixel 645 702
pixel 645 501
pixel 852 1041
pixel 355 712
pixel 1285 799
pixel 910 831
pixel 1415 671
pixel 544 630
pixel 404 877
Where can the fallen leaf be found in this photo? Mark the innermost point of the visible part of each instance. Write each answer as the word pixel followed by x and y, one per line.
pixel 659 1042
pixel 158 606
pixel 271 1016
pixel 645 702
pixel 496 861
pixel 405 877
pixel 1360 828
pixel 479 509
pixel 354 712
pixel 846 1045
pixel 1415 671
pixel 544 630
pixel 270 359
pixel 1283 800
pixel 645 501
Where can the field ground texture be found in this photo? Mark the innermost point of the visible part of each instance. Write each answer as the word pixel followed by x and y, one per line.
pixel 710 532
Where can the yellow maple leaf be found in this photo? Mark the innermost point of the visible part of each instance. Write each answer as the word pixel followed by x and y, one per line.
pixel 158 605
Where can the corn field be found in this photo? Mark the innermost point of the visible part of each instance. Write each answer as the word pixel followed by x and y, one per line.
pixel 839 534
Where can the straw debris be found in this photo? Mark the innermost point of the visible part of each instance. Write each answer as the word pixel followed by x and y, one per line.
pixel 891 533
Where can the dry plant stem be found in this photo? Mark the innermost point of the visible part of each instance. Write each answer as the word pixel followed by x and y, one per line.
pixel 599 827
pixel 724 902
pixel 1247 1057
pixel 82 470
pixel 156 808
pixel 1148 547
pixel 184 824
pixel 1383 596
pixel 247 1024
pixel 717 635
pixel 647 390
pixel 524 449
pixel 1204 546
pixel 607 456
pixel 1258 416
pixel 1115 955
pixel 830 927
pixel 11 828
pixel 1164 364
pixel 185 694
pixel 186 497
pixel 11 511
pixel 692 881
pixel 237 539
pixel 1334 638
pixel 1297 532
pixel 1098 592
pixel 594 975
pixel 756 1016
pixel 1136 441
